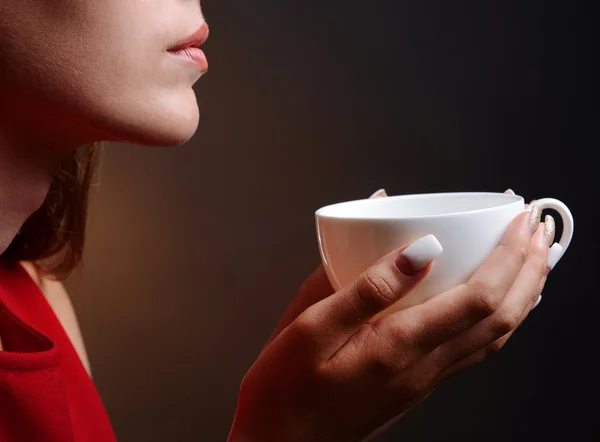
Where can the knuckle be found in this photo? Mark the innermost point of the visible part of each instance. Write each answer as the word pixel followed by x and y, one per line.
pixel 516 253
pixel 480 357
pixel 484 298
pixel 383 366
pixel 304 325
pixel 402 334
pixel 504 322
pixel 538 249
pixel 416 387
pixel 374 291
pixel 376 332
pixel 538 263
pixel 494 348
pixel 387 358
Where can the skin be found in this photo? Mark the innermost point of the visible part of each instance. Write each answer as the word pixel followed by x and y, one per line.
pixel 79 72
pixel 59 300
pixel 350 379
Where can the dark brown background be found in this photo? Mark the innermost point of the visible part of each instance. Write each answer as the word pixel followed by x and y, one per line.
pixel 194 252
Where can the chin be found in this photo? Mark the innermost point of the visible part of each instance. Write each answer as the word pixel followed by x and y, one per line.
pixel 169 132
pixel 163 123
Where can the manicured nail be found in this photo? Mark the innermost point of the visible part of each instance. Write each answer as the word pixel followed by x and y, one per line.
pixel 379 194
pixel 530 205
pixel 509 191
pixel 537 302
pixel 534 218
pixel 549 229
pixel 419 255
pixel 554 254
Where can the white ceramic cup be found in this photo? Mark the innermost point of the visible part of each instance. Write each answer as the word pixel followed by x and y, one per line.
pixel 353 235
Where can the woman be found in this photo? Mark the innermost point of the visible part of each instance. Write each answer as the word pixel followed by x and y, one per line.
pixel 73 73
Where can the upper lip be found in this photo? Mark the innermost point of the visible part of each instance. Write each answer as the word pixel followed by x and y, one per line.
pixel 193 40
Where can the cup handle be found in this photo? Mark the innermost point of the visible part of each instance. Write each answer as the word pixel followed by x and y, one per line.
pixel 558 249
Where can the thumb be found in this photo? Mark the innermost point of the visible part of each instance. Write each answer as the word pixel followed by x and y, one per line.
pixel 316 288
pixel 335 319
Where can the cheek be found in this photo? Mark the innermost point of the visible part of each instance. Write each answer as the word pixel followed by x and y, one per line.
pixel 149 91
pixel 108 74
pixel 131 87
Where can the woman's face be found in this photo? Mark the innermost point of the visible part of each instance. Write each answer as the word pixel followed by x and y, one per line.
pixel 92 70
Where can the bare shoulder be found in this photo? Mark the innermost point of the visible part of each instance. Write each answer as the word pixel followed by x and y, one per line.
pixel 59 300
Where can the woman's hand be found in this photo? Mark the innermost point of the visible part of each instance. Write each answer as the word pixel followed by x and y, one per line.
pixel 328 374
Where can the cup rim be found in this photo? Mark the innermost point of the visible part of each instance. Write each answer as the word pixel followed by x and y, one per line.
pixel 322 212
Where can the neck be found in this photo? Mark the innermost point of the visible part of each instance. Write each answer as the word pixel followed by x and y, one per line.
pixel 26 170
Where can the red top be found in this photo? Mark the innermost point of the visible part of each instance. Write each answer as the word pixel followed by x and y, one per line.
pixel 45 392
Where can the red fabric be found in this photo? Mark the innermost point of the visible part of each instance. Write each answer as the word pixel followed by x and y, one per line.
pixel 45 392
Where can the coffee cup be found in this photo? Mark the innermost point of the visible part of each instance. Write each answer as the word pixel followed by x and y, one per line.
pixel 353 235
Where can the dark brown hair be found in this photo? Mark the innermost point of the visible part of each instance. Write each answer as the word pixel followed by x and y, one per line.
pixel 53 236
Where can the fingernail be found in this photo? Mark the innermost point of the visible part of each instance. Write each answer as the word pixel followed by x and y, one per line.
pixel 509 191
pixel 554 254
pixel 419 255
pixel 534 219
pixel 379 194
pixel 549 229
pixel 530 205
pixel 537 302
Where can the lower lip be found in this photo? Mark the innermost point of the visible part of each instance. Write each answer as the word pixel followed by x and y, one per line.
pixel 193 55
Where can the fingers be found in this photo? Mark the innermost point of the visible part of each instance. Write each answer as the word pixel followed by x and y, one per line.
pixel 314 289
pixel 490 350
pixel 381 193
pixel 477 357
pixel 456 310
pixel 519 301
pixel 495 346
pixel 335 319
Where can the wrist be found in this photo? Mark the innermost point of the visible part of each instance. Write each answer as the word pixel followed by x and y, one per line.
pixel 242 431
pixel 245 432
pixel 248 427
